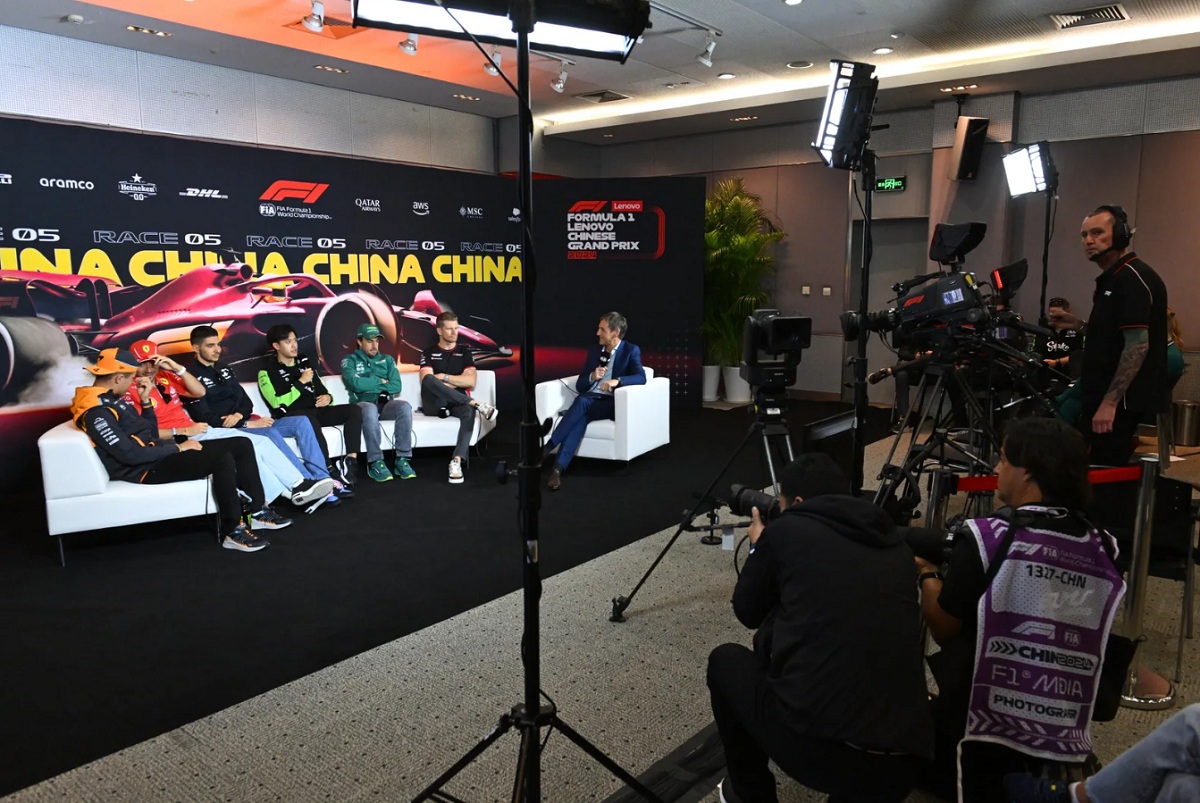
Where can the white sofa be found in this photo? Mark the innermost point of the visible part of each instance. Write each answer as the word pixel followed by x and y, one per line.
pixel 427 430
pixel 642 423
pixel 81 497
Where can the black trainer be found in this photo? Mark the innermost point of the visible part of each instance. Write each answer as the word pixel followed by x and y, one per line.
pixel 307 491
pixel 267 519
pixel 243 540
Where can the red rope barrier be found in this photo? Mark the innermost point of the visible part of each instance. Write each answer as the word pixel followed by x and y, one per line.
pixel 1097 476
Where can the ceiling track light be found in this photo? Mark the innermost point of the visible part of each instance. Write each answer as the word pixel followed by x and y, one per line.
pixel 560 83
pixel 492 65
pixel 710 44
pixel 409 45
pixel 315 21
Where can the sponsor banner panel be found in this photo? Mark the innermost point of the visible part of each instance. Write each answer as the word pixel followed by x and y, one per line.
pixel 110 237
pixel 633 246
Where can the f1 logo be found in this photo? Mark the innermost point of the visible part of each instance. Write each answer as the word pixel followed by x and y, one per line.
pixel 306 191
pixel 587 206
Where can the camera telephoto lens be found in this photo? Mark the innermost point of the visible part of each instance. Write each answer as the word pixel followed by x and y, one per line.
pixel 744 499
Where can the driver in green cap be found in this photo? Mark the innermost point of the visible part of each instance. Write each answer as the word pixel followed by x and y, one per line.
pixel 373 382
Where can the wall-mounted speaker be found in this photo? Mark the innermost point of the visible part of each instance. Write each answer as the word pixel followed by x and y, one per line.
pixel 969 137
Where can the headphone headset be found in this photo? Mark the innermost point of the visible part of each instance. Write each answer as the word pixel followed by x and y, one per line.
pixel 1122 234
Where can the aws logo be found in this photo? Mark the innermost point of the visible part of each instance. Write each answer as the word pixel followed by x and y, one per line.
pixel 305 192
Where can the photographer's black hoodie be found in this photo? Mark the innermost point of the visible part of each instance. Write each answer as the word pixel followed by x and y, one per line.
pixel 836 585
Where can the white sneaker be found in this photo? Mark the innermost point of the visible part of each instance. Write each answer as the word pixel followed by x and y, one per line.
pixel 456 474
pixel 484 409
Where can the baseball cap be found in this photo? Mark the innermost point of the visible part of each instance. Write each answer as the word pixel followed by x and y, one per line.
pixel 113 361
pixel 144 350
pixel 369 331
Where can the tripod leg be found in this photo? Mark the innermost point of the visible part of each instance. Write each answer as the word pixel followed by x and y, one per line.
pixel 619 604
pixel 503 727
pixel 606 762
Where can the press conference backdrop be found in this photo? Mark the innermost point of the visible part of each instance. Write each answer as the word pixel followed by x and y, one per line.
pixel 110 237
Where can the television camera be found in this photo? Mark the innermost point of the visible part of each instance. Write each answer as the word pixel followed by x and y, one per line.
pixel 953 305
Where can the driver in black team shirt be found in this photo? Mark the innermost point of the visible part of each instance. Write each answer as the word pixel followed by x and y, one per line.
pixel 447 376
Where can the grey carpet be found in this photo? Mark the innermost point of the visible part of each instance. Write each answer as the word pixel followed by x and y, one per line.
pixel 382 725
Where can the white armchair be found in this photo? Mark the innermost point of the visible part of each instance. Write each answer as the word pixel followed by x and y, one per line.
pixel 643 417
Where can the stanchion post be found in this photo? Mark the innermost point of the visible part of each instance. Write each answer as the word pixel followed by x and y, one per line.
pixel 1135 593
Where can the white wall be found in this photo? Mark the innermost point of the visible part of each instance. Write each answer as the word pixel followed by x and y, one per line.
pixel 68 80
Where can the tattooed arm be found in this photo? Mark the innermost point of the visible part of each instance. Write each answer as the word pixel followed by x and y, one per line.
pixel 1137 344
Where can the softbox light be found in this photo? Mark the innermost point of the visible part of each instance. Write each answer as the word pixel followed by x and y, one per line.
pixel 605 29
pixel 1030 169
pixel 849 107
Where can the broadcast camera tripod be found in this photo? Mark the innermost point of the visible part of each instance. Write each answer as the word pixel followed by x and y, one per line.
pixel 771 427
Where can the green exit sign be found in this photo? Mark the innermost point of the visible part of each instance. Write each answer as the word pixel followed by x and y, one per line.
pixel 891 184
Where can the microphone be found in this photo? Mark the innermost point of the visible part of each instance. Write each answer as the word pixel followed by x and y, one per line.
pixel 604 356
pixel 302 361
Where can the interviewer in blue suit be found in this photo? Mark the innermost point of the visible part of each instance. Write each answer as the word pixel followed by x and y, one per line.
pixel 611 363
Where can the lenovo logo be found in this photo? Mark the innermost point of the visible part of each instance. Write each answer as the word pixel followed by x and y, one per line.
pixel 627 206
pixel 304 191
pixel 587 206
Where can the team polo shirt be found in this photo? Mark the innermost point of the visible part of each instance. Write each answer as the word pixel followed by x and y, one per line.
pixel 447 361
pixel 165 396
pixel 1128 295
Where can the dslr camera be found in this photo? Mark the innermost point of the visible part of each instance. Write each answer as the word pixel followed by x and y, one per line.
pixel 743 499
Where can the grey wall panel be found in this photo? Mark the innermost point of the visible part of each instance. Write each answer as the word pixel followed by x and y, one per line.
pixel 462 141
pixel 196 100
pixel 304 116
pixel 384 129
pixel 754 147
pixel 813 210
pixel 820 369
pixel 795 143
pixel 573 159
pixel 1165 219
pixel 1091 172
pixel 664 157
pixel 1173 105
pixel 908 131
pixel 1001 111
pixel 65 79
pixel 1087 114
pixel 985 199
pixel 914 201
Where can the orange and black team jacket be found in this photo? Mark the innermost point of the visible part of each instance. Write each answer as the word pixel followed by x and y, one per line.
pixel 126 440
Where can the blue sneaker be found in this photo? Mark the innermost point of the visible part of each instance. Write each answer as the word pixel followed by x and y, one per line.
pixel 1024 788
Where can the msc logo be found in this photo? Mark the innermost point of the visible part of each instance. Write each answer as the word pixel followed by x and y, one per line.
pixel 5 178
pixel 587 206
pixel 628 206
pixel 473 212
pixel 194 192
pixel 267 210
pixel 304 191
pixel 420 208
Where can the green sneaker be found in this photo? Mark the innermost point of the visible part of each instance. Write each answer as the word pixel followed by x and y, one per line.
pixel 403 470
pixel 378 471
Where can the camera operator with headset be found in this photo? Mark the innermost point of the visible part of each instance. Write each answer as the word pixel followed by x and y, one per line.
pixel 834 690
pixel 1023 616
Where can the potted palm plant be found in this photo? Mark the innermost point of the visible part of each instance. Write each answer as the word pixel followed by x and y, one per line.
pixel 737 264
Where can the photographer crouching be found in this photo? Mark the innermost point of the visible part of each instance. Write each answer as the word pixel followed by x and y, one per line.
pixel 1022 615
pixel 834 690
